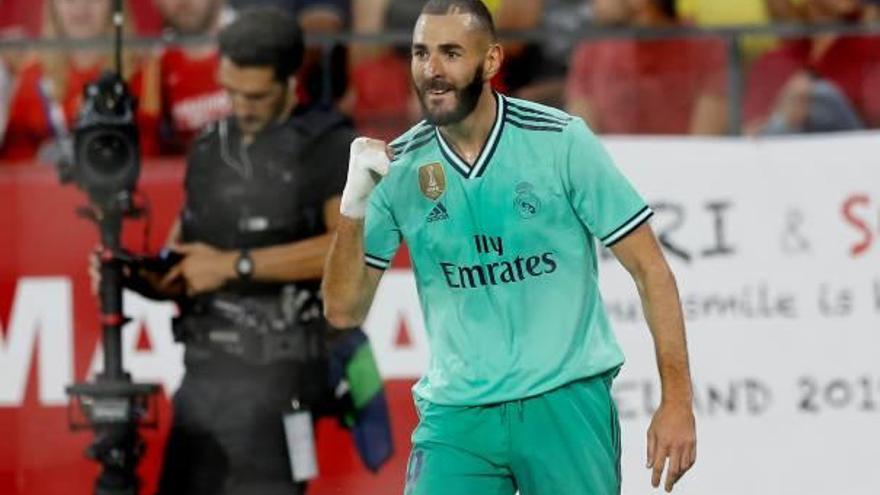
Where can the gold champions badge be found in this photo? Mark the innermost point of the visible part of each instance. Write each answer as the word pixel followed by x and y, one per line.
pixel 432 180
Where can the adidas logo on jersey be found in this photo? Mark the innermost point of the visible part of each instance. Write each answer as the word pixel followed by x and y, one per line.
pixel 438 213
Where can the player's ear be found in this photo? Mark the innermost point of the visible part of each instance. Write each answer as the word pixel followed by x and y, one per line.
pixel 494 59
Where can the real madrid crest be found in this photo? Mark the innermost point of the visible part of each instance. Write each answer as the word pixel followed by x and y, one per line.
pixel 432 180
pixel 526 203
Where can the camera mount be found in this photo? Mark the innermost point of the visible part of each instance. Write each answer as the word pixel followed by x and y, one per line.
pixel 106 165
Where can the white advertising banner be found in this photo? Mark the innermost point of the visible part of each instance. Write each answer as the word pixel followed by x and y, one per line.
pixel 775 248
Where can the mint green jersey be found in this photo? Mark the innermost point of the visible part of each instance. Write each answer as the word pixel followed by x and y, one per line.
pixel 504 252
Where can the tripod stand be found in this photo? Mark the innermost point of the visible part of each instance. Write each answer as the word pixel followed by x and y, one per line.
pixel 113 406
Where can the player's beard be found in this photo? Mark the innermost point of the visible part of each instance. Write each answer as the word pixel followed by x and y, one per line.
pixel 466 99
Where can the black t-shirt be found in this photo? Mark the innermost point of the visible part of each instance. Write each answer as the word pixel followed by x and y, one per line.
pixel 270 192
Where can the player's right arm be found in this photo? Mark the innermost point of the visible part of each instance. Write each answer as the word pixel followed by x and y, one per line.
pixel 349 284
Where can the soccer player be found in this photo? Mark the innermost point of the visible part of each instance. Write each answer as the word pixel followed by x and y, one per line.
pixel 501 201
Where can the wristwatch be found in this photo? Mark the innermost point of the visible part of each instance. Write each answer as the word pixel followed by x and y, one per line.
pixel 244 265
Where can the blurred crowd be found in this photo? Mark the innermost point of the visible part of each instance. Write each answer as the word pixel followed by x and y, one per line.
pixel 821 83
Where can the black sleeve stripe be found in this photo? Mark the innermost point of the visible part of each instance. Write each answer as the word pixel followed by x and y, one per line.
pixel 406 144
pixel 561 120
pixel 376 262
pixel 423 132
pixel 533 127
pixel 375 265
pixel 628 220
pixel 377 258
pixel 419 144
pixel 531 118
pixel 418 135
pixel 628 227
pixel 414 146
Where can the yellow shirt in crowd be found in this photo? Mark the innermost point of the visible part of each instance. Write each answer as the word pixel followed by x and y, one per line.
pixel 710 13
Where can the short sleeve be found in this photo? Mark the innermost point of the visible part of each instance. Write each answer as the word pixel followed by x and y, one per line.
pixel 381 232
pixel 604 200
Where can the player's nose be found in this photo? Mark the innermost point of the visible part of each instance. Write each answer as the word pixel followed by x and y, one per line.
pixel 432 67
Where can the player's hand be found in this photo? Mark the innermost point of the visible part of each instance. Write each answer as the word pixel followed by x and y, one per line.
pixel 672 437
pixel 368 162
pixel 203 268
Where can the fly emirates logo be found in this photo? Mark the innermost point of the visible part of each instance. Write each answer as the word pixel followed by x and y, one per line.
pixel 504 271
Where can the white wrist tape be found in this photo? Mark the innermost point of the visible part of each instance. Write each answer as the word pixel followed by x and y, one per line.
pixel 367 157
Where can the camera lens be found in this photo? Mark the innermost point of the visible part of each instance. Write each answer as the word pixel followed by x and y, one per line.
pixel 107 152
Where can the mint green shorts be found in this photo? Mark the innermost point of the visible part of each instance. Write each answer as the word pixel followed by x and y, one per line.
pixel 565 441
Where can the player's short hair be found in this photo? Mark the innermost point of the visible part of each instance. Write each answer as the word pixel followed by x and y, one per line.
pixel 264 36
pixel 475 8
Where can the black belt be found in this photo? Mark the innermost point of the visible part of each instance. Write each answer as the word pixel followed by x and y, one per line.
pixel 298 344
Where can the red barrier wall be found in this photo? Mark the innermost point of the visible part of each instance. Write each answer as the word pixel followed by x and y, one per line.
pixel 40 235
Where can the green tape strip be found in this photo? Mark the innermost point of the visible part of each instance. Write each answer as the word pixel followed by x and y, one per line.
pixel 363 376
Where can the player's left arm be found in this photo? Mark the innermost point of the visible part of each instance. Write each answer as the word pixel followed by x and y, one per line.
pixel 672 434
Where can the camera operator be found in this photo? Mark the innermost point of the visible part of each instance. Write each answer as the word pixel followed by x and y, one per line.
pixel 261 195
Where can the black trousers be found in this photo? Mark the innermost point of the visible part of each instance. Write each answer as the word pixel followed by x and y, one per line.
pixel 227 435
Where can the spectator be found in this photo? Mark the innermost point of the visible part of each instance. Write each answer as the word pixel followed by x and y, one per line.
pixel 313 15
pixel 818 84
pixel 148 21
pixel 872 11
pixel 563 19
pixel 190 94
pixel 324 17
pixel 724 12
pixel 740 12
pixel 53 82
pixel 715 13
pixel 523 61
pixel 786 10
pixel 670 86
pixel 21 15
